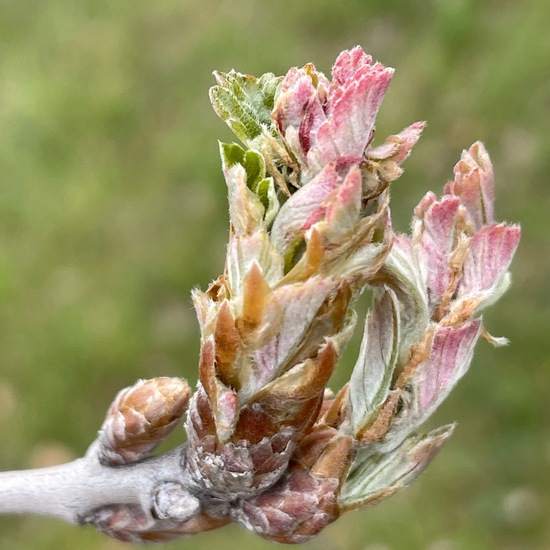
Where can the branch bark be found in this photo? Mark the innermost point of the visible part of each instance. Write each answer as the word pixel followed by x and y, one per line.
pixel 72 491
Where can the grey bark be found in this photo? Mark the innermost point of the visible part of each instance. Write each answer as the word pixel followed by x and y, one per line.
pixel 71 491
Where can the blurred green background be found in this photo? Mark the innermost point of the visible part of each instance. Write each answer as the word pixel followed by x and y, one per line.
pixel 112 207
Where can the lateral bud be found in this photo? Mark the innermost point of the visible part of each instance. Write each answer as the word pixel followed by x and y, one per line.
pixel 140 418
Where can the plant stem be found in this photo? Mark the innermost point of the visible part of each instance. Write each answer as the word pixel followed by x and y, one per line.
pixel 71 491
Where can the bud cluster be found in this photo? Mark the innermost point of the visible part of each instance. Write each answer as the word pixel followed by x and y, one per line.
pixel 269 446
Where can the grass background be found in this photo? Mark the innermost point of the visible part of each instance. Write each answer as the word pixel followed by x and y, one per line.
pixel 112 207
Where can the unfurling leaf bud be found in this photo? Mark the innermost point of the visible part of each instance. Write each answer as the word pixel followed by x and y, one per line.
pixel 269 447
pixel 310 228
pixel 140 417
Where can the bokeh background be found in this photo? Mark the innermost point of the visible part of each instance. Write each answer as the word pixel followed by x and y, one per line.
pixel 112 207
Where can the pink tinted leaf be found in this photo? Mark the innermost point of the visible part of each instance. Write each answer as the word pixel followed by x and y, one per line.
pixel 474 184
pixel 318 79
pixel 490 254
pixel 432 381
pixel 299 108
pixel 348 62
pixel 399 146
pixel 437 241
pixel 330 121
pixel 352 106
pixel 293 215
pixel 422 207
pixel 314 116
pixel 295 93
pixel 341 207
pixel 452 352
